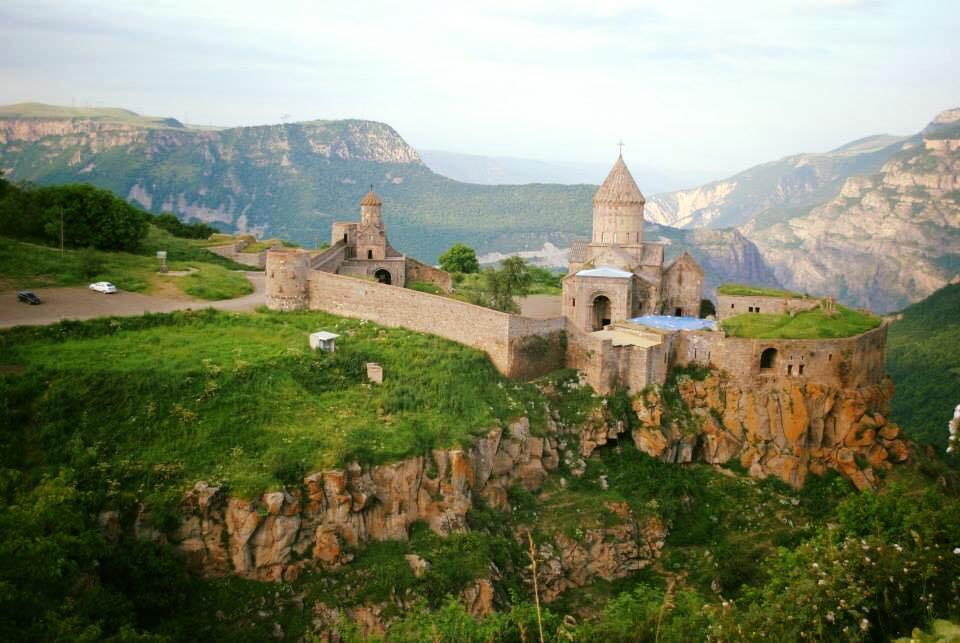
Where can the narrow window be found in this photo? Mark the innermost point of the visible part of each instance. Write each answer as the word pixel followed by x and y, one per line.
pixel 801 369
pixel 830 357
pixel 344 237
pixel 789 369
pixel 369 254
pixel 574 302
pixel 758 309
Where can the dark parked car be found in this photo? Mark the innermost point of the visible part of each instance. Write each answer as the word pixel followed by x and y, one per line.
pixel 28 297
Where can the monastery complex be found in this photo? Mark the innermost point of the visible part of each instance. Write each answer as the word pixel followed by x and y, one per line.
pixel 626 317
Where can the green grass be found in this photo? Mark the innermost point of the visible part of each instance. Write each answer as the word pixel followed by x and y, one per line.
pixel 30 265
pixel 923 358
pixel 756 291
pixel 811 324
pixel 215 283
pixel 162 401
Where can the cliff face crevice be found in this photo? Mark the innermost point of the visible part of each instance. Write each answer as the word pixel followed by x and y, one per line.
pixel 274 536
pixel 787 431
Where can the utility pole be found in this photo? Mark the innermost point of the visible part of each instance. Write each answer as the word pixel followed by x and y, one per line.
pixel 61 232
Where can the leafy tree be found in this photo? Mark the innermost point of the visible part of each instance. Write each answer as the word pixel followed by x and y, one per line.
pixel 460 258
pixel 91 217
pixel 90 262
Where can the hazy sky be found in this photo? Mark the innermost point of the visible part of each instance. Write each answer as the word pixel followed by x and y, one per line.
pixel 695 85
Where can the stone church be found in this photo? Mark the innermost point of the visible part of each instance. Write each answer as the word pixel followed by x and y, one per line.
pixel 617 276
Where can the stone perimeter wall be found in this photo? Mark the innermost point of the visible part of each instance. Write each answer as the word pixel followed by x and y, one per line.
pixel 846 362
pixel 518 346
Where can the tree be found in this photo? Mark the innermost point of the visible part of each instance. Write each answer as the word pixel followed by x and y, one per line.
pixel 460 258
pixel 91 217
pixel 513 279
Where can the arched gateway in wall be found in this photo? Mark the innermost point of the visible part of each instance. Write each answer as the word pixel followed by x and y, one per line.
pixel 383 276
pixel 601 312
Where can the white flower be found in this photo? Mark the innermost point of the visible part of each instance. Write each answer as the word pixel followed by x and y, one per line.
pixel 864 624
pixel 956 550
pixel 897 547
pixel 831 617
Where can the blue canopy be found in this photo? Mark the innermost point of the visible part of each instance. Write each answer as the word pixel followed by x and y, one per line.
pixel 665 322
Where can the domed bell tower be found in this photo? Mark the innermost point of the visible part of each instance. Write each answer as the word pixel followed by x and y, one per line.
pixel 371 236
pixel 618 209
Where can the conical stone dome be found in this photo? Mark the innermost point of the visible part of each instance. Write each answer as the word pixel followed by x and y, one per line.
pixel 371 198
pixel 619 187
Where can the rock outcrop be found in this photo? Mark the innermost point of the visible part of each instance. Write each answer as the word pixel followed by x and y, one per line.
pixel 786 431
pixel 608 553
pixel 274 536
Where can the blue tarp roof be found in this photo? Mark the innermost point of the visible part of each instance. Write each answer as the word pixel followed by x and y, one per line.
pixel 663 322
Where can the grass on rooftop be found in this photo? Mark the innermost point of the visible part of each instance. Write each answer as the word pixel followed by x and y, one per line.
pixel 757 291
pixel 811 324
pixel 162 401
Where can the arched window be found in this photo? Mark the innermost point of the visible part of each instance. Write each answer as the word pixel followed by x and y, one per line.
pixel 768 358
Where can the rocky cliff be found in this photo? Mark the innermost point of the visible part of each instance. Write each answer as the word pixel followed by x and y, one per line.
pixel 887 239
pixel 787 432
pixel 272 537
pixel 772 191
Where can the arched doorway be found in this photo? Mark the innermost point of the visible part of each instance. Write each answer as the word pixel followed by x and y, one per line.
pixel 383 276
pixel 768 358
pixel 601 312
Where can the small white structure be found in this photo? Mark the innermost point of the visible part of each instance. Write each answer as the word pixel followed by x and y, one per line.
pixel 375 373
pixel 324 341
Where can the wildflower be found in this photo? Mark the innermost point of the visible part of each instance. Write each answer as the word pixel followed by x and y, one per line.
pixel 831 617
pixel 864 624
pixel 956 550
pixel 897 547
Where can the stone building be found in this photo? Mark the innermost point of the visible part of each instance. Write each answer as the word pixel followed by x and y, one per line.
pixel 357 249
pixel 617 275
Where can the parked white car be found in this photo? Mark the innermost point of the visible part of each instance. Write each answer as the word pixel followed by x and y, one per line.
pixel 105 287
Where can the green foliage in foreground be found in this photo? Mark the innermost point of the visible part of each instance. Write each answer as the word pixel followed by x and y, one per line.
pixel 755 291
pixel 164 400
pixel 810 324
pixel 923 358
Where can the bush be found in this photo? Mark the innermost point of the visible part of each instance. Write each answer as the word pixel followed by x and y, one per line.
pixel 90 263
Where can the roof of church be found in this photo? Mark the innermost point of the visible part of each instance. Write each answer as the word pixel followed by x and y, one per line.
pixel 605 271
pixel 371 198
pixel 619 186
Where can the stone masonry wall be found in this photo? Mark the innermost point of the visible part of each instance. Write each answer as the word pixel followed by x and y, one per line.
pixel 498 334
pixel 842 362
pixel 418 271
pixel 730 305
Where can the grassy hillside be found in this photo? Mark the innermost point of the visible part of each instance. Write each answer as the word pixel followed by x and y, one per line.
pixel 923 358
pixel 29 265
pixel 172 392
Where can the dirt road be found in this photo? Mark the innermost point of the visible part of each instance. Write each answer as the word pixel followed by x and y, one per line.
pixel 83 303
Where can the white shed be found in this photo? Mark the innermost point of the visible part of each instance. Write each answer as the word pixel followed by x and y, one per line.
pixel 324 340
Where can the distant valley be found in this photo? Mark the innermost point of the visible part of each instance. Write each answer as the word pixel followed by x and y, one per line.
pixel 875 222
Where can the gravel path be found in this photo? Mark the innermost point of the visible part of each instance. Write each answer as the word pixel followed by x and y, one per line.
pixel 83 303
